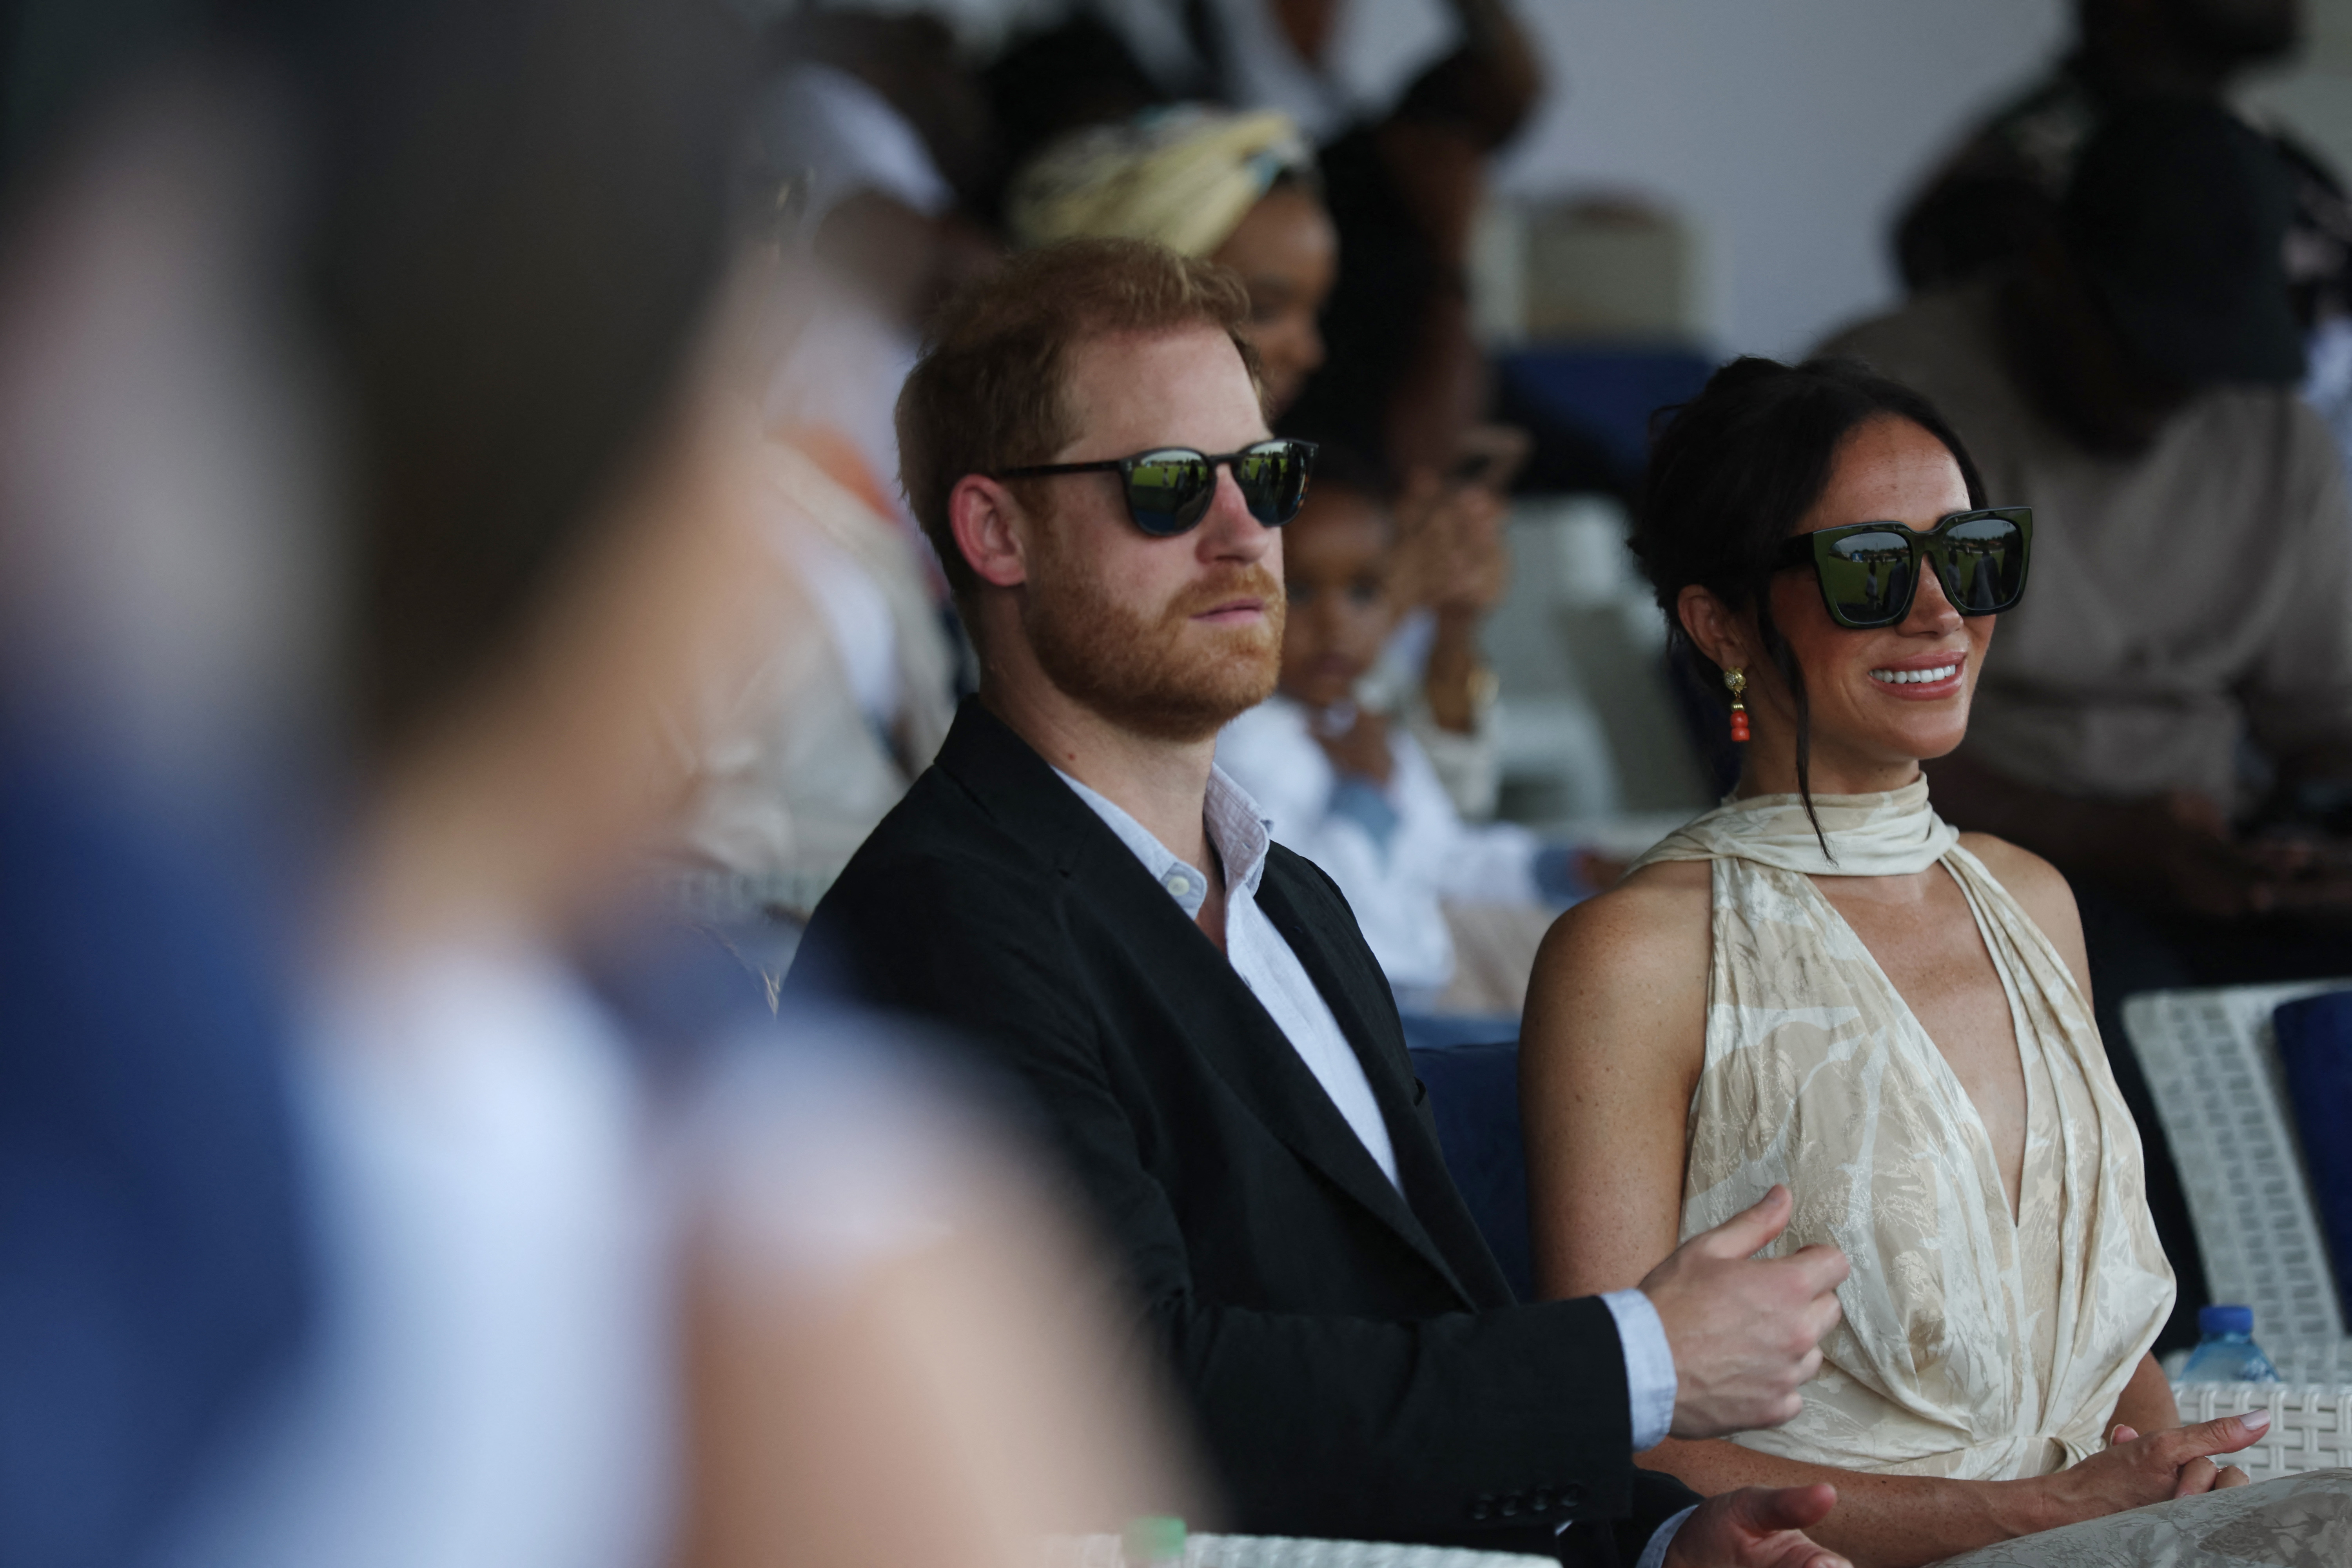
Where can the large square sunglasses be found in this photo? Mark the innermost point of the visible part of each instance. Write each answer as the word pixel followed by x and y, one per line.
pixel 1168 488
pixel 1869 572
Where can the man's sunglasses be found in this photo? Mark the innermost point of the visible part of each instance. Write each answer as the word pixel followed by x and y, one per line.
pixel 1869 572
pixel 1168 488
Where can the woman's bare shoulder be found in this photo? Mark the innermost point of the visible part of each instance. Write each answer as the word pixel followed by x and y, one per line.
pixel 2040 890
pixel 1640 947
pixel 1653 906
pixel 2028 878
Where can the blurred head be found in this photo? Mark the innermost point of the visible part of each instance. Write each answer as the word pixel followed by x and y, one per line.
pixel 1091 351
pixel 498 385
pixel 2176 217
pixel 1287 254
pixel 1237 188
pixel 1768 451
pixel 2166 274
pixel 1335 572
pixel 2221 36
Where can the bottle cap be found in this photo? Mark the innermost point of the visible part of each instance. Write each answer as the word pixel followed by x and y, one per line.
pixel 1152 1538
pixel 2225 1320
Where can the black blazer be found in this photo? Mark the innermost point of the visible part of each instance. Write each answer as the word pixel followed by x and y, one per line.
pixel 1354 1361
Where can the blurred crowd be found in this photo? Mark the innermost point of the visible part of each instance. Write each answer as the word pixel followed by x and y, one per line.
pixel 461 614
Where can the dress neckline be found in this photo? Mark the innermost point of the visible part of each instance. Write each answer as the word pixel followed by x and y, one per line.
pixel 1892 833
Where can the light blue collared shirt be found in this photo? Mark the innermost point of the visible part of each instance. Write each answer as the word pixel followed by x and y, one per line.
pixel 1240 833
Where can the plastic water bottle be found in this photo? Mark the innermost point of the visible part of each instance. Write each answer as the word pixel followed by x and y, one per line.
pixel 1154 1541
pixel 2227 1352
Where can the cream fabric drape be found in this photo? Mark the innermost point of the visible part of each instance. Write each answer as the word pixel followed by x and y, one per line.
pixel 1972 1346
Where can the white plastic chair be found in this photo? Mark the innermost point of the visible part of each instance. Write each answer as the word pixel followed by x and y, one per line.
pixel 1283 1552
pixel 2311 1424
pixel 2212 1066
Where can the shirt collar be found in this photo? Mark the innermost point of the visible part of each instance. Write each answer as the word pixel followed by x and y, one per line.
pixel 1235 826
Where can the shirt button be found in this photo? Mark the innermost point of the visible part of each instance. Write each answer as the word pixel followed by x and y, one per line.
pixel 1178 883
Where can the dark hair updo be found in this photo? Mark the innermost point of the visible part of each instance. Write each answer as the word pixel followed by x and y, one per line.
pixel 1732 475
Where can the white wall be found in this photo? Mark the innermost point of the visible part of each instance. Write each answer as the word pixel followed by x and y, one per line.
pixel 1787 130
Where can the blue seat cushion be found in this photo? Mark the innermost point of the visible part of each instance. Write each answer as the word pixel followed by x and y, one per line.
pixel 2315 1046
pixel 1474 1096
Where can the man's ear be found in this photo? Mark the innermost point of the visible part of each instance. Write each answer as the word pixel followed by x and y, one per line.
pixel 1712 628
pixel 982 515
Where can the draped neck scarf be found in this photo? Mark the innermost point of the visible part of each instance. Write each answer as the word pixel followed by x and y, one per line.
pixel 1891 834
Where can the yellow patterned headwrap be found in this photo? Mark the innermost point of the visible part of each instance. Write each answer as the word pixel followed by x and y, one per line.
pixel 1184 176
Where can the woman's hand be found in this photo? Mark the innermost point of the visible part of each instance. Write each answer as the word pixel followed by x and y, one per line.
pixel 2135 1471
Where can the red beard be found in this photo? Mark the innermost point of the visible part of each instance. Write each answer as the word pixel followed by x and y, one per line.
pixel 1163 676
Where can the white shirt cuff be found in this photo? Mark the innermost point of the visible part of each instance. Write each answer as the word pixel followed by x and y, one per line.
pixel 1653 1556
pixel 1650 1381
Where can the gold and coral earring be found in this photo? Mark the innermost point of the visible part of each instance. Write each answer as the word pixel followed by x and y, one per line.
pixel 1738 681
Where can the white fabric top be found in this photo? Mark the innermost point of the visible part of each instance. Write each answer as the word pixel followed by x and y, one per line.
pixel 1394 874
pixel 1975 1345
pixel 1259 955
pixel 846 139
pixel 490 1383
pixel 1376 49
pixel 1282 985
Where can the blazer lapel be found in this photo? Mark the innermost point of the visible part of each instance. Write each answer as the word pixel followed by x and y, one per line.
pixel 1228 1027
pixel 1368 1017
pixel 1197 984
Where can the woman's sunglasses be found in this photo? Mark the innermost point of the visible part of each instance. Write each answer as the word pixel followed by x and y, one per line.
pixel 1169 487
pixel 1869 572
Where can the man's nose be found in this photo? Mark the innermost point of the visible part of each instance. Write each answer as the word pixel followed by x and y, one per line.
pixel 1229 530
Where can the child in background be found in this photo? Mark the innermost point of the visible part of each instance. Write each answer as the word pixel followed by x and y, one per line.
pixel 1359 796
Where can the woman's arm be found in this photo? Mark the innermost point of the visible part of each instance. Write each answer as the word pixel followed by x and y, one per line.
pixel 1609 1051
pixel 2147 1405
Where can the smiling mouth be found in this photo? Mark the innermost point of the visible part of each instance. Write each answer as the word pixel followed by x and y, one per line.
pixel 1927 677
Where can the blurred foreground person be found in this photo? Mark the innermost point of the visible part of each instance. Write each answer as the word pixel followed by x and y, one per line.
pixel 2167 718
pixel 527 1224
pixel 1078 887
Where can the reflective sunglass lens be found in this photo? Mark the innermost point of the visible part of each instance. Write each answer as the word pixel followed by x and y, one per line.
pixel 1867 577
pixel 1168 491
pixel 1983 562
pixel 1273 481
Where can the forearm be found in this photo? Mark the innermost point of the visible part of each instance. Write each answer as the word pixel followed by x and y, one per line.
pixel 1880 1521
pixel 2147 1405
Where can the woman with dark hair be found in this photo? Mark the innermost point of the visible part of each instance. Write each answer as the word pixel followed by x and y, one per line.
pixel 1820 984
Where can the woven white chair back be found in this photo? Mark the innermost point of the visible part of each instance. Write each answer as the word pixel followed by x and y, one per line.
pixel 1284 1552
pixel 2311 1425
pixel 2212 1066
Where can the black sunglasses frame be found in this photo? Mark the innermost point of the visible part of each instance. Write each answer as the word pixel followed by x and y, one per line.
pixel 1187 514
pixel 1814 549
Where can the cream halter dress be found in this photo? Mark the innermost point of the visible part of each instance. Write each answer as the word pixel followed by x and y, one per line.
pixel 1972 1346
